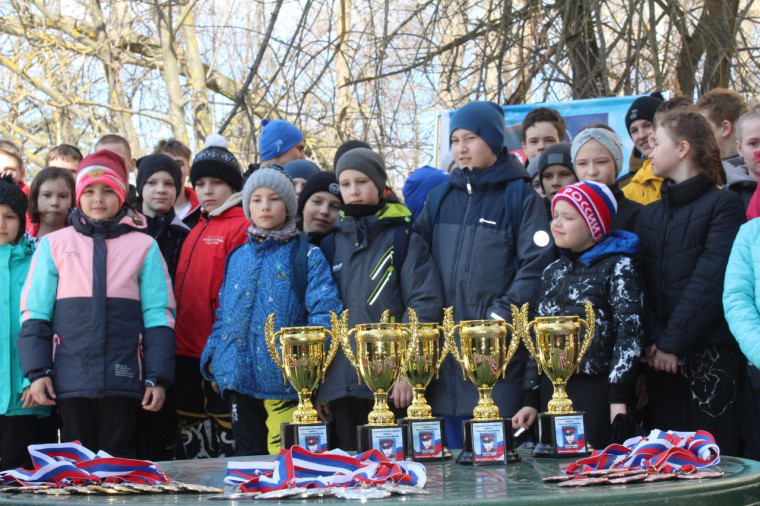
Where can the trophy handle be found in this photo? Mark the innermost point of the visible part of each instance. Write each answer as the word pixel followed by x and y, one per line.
pixel 270 337
pixel 334 341
pixel 442 355
pixel 590 324
pixel 345 341
pixel 527 341
pixel 414 325
pixel 448 334
pixel 385 317
pixel 519 317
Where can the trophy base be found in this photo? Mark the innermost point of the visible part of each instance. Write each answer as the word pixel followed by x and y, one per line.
pixel 561 436
pixel 387 439
pixel 425 440
pixel 487 443
pixel 312 436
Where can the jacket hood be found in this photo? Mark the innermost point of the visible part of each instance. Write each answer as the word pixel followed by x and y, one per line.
pixel 390 214
pixel 127 221
pixel 506 168
pixel 232 201
pixel 737 174
pixel 617 243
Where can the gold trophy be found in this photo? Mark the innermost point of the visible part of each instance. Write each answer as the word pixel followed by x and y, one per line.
pixel 558 352
pixel 379 359
pixel 484 356
pixel 303 364
pixel 425 436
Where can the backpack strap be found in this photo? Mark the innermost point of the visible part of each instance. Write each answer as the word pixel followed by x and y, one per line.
pixel 299 268
pixel 401 235
pixel 328 247
pixel 436 197
pixel 513 200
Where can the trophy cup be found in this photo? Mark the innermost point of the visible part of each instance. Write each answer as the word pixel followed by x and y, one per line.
pixel 303 363
pixel 378 360
pixel 425 436
pixel 487 438
pixel 558 352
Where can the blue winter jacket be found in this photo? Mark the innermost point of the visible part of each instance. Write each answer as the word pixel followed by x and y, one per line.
pixel 257 282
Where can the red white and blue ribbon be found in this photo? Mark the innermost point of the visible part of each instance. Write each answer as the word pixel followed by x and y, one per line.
pixel 298 467
pixel 662 452
pixel 72 463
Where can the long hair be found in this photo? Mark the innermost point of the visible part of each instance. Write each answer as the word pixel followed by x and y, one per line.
pixel 47 174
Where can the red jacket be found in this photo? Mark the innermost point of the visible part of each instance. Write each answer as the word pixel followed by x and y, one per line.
pixel 199 276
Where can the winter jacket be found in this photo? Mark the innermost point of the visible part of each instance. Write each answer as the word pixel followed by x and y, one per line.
pixel 257 283
pixel 686 239
pixel 644 186
pixel 480 273
pixel 193 216
pixel 200 272
pixel 607 277
pixel 368 284
pixel 741 291
pixel 14 267
pixel 627 210
pixel 740 182
pixel 169 232
pixel 98 310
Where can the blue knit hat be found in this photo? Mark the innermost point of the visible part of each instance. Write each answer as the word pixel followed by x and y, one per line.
pixel 419 184
pixel 276 138
pixel 303 169
pixel 485 119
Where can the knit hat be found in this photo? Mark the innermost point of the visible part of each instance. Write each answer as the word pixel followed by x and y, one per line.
pixel 367 162
pixel 346 147
pixel 485 119
pixel 319 182
pixel 303 169
pixel 533 167
pixel 594 202
pixel 102 166
pixel 11 195
pixel 419 184
pixel 216 161
pixel 556 154
pixel 272 176
pixel 642 108
pixel 276 138
pixel 606 138
pixel 149 165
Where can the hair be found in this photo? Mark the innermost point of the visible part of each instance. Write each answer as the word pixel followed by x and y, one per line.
pixel 66 152
pixel 173 147
pixel 48 174
pixel 114 139
pixel 753 112
pixel 687 124
pixel 10 149
pixel 722 105
pixel 544 114
pixel 670 104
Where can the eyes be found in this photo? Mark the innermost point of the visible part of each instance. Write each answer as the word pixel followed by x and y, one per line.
pixel 347 183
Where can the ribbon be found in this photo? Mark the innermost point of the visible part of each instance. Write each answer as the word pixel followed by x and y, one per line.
pixel 662 452
pixel 297 467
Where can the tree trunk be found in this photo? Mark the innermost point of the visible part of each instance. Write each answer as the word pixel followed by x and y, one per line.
pixel 170 72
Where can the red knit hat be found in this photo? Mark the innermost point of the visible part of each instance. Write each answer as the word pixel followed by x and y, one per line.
pixel 106 167
pixel 594 202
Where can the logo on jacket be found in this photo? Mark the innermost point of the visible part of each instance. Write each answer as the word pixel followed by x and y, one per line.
pixel 213 240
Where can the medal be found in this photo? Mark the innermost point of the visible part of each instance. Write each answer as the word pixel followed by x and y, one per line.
pixel 279 494
pixel 362 493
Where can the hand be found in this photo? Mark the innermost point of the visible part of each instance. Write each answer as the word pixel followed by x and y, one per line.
pixel 524 418
pixel 401 393
pixel 642 397
pixel 650 351
pixel 215 387
pixel 41 391
pixel 665 362
pixel 323 410
pixel 154 398
pixel 617 409
pixel 27 399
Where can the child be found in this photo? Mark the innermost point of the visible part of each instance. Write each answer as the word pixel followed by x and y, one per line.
pixel 186 207
pixel 204 416
pixel 50 200
pixel 64 156
pixel 257 283
pixel 686 237
pixel 300 171
pixel 17 421
pixel 98 315
pixel 319 205
pixel 555 169
pixel 596 265
pixel 379 264
pixel 641 185
pixel 279 142
pixel 541 128
pixel 748 145
pixel 721 108
pixel 418 186
pixel 490 240
pixel 12 164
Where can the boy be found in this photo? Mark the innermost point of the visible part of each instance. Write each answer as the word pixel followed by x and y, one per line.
pixel 555 169
pixel 748 147
pixel 541 128
pixel 64 156
pixel 279 142
pixel 12 164
pixel 120 146
pixel 490 240
pixel 300 171
pixel 721 108
pixel 187 208
pixel 643 186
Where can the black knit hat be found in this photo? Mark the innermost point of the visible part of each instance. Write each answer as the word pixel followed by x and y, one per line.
pixel 346 147
pixel 319 182
pixel 11 195
pixel 216 161
pixel 149 165
pixel 642 108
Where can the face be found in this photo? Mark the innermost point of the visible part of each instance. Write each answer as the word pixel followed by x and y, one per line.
pixel 536 184
pixel 54 201
pixel 388 451
pixel 594 163
pixel 427 443
pixel 99 202
pixel 159 193
pixel 299 183
pixel 212 192
pixel 357 188
pixel 538 137
pixel 556 177
pixel 9 165
pixel 268 210
pixel 64 164
pixel 750 144
pixel 641 133
pixel 665 153
pixel 184 165
pixel 488 445
pixel 320 212
pixel 470 150
pixel 297 152
pixel 312 446
pixel 121 150
pixel 569 229
pixel 570 437
pixel 9 225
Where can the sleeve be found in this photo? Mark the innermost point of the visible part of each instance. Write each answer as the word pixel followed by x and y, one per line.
pixel 698 309
pixel 322 295
pixel 219 326
pixel 739 294
pixel 422 224
pixel 421 287
pixel 38 297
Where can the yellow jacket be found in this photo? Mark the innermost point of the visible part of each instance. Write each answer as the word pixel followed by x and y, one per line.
pixel 644 186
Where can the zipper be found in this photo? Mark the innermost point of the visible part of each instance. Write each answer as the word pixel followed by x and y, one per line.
pixel 140 356
pixel 469 186
pixel 182 286
pixel 56 344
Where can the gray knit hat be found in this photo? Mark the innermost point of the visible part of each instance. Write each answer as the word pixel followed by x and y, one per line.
pixel 606 138
pixel 367 162
pixel 272 176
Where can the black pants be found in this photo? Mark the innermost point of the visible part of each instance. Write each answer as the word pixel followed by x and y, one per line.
pixel 107 423
pixel 249 425
pixel 157 431
pixel 751 414
pixel 16 433
pixel 348 413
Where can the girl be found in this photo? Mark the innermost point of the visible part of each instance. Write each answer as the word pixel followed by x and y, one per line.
pixel 686 237
pixel 319 205
pixel 97 337
pixel 51 197
pixel 258 282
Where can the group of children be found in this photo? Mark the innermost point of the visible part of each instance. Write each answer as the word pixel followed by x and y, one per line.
pixel 140 316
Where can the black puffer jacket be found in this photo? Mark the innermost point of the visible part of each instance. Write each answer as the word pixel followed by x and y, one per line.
pixel 627 210
pixel 170 233
pixel 686 239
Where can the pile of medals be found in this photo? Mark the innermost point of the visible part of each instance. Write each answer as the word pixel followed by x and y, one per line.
pixel 124 488
pixel 624 476
pixel 363 492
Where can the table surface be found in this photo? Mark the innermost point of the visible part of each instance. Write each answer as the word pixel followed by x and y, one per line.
pixel 450 483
